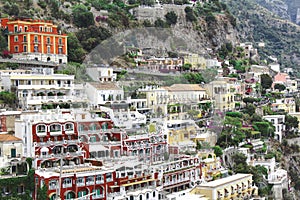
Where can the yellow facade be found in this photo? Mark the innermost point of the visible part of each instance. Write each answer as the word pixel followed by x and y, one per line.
pixel 197 62
pixel 181 135
pixel 238 186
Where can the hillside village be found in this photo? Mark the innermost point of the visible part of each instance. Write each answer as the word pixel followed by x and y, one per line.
pixel 228 131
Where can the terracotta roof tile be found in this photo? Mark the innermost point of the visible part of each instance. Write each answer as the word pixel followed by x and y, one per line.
pixel 185 87
pixel 8 137
pixel 105 86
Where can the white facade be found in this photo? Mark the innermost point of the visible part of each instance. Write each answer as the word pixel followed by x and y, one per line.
pixel 23 126
pixel 278 122
pixel 11 150
pixel 54 58
pixel 101 93
pixel 42 86
pixel 102 74
pixel 125 118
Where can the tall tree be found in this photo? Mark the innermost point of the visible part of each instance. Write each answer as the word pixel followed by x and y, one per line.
pixel 266 81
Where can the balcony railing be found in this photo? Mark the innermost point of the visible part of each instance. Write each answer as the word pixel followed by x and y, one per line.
pixel 53 187
pixel 90 183
pixel 67 185
pixel 79 184
pixel 16 156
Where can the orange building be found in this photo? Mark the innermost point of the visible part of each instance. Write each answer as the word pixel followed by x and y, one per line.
pixel 40 40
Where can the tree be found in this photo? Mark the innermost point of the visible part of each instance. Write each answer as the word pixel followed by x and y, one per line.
pixel 279 87
pixel 266 81
pixel 186 66
pixel 194 78
pixel 75 51
pixel 250 109
pixel 218 151
pixel 8 98
pixel 159 23
pixel 171 18
pixel 82 17
pixel 189 14
pixel 198 145
pixel 42 192
pixel 291 123
pixel 249 100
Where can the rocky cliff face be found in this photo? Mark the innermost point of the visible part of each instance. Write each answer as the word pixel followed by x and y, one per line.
pixel 285 9
pixel 200 37
pixel 257 24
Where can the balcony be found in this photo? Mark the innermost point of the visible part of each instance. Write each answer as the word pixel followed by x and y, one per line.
pixel 14 156
pixel 41 133
pixel 53 187
pixel 36 42
pixel 90 183
pixel 69 131
pixel 67 185
pixel 55 132
pixel 99 181
pixel 80 184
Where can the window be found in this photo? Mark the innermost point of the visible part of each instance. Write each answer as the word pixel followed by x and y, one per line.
pixel 99 179
pixel 154 194
pixel 97 193
pixel 24 38
pixel 16 38
pixel 25 28
pixel 16 29
pixel 60 50
pixel 41 29
pixel 93 138
pixel 24 48
pixel 81 193
pixel 16 49
pixel 67 183
pixel 69 127
pixel 59 41
pixel 48 40
pixel 36 48
pixel 48 50
pixel 109 177
pixel 80 181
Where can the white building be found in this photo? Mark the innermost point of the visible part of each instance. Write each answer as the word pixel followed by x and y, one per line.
pixel 104 93
pixel 11 151
pixel 278 122
pixel 102 74
pixel 41 86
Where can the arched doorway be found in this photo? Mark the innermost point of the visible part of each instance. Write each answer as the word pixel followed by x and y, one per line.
pixel 70 195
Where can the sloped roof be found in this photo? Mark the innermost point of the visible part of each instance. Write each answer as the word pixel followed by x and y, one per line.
pixel 185 87
pixel 8 137
pixel 105 86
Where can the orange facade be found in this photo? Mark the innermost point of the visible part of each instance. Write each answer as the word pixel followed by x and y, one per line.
pixel 34 36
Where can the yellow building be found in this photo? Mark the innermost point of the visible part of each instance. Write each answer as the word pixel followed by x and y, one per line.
pixel 226 92
pixel 211 165
pixel 197 62
pixel 287 105
pixel 180 131
pixel 238 186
